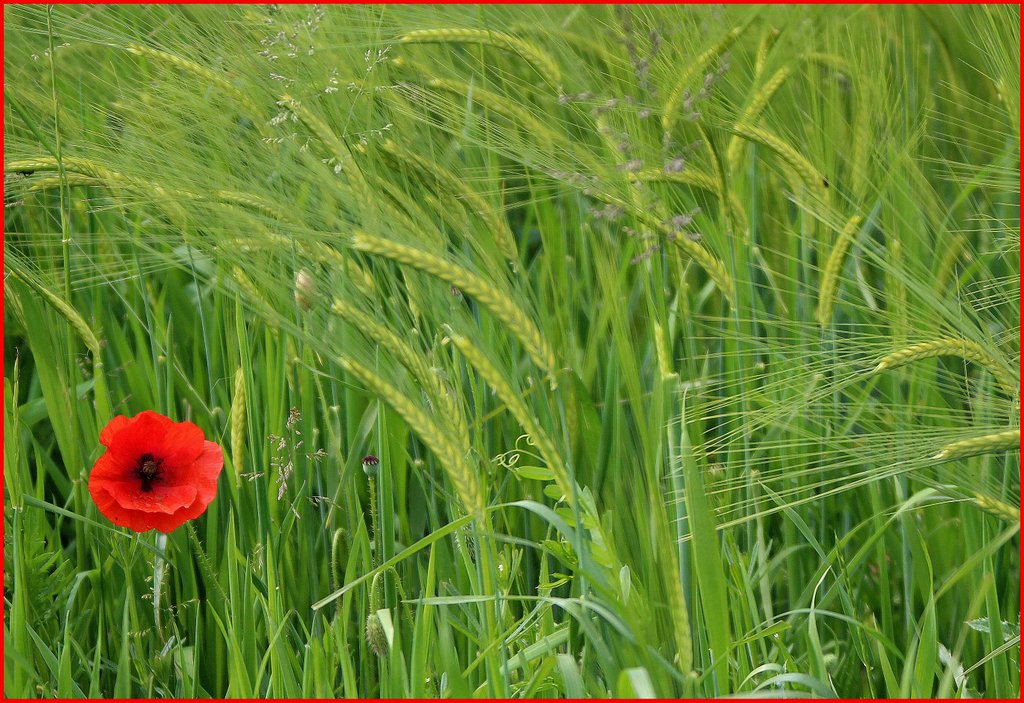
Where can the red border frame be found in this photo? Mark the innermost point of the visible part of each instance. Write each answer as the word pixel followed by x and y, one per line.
pixel 514 2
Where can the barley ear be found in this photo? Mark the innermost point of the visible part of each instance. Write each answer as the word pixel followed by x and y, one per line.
pixel 994 506
pixel 986 444
pixel 965 349
pixel 833 267
pixel 811 177
pixel 459 472
pixel 513 401
pixel 532 54
pixel 671 106
pixel 238 418
pixel 497 302
pixel 197 70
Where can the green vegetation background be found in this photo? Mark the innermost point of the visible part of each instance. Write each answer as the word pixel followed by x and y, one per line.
pixel 628 301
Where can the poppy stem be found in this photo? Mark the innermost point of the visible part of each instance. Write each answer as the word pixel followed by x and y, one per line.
pixel 158 579
pixel 204 564
pixel 375 552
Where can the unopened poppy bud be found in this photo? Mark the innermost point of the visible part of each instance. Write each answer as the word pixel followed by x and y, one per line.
pixel 305 289
pixel 370 463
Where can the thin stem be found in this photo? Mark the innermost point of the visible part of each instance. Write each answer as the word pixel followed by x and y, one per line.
pixel 374 554
pixel 65 224
pixel 204 564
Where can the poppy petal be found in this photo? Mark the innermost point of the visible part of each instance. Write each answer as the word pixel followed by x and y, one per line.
pixel 109 467
pixel 181 444
pixel 202 472
pixel 113 427
pixel 123 517
pixel 161 498
pixel 169 523
pixel 140 435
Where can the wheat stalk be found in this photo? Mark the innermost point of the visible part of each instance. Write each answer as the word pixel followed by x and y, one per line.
pixel 757 104
pixel 677 610
pixel 763 47
pixel 454 462
pixel 949 346
pixel 195 69
pixel 896 293
pixel 803 168
pixel 833 267
pixel 693 68
pixel 499 227
pixel 72 179
pixel 695 179
pixel 862 141
pixel 1001 510
pixel 661 351
pixel 708 261
pixel 514 402
pixel 238 418
pixel 410 359
pixel 986 444
pixel 65 310
pixel 950 257
pixel 87 172
pixel 497 302
pixel 541 60
pixel 492 101
pixel 85 333
pixel 704 258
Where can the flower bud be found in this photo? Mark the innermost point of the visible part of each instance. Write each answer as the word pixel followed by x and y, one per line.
pixel 370 463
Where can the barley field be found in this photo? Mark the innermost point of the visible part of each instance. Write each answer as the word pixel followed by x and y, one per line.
pixel 511 351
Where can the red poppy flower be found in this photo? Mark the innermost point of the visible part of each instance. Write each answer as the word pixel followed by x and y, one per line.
pixel 156 473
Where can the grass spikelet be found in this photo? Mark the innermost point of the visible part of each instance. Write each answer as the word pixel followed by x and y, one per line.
pixel 80 166
pixel 65 310
pixel 252 202
pixel 513 400
pixel 861 149
pixel 1003 511
pixel 763 47
pixel 986 444
pixel 238 418
pixel 540 59
pixel 494 102
pixel 757 104
pixel 695 179
pixel 359 276
pixel 709 262
pixel 944 271
pixel 896 293
pixel 681 629
pixel 836 63
pixel 87 172
pixel 417 364
pixel 668 111
pixel 811 177
pixel 251 291
pixel 661 351
pixel 477 203
pixel 495 301
pixel 948 346
pixel 439 442
pixel 833 266
pixel 72 179
pixel 197 70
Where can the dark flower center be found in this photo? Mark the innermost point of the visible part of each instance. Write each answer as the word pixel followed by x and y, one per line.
pixel 148 470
